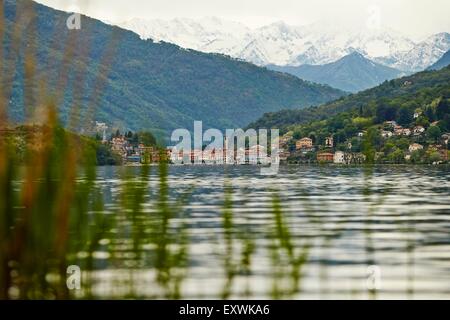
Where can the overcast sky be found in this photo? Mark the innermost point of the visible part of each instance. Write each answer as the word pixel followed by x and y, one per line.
pixel 416 18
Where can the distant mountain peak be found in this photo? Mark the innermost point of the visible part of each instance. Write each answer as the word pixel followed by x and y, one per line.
pixel 443 62
pixel 282 44
pixel 352 73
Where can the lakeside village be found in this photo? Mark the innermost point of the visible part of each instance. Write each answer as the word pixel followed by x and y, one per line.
pixel 393 144
pixel 413 145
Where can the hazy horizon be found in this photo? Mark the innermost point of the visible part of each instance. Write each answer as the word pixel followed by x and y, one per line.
pixel 416 19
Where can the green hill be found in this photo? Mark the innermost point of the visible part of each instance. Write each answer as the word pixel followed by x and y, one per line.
pixel 152 86
pixel 412 92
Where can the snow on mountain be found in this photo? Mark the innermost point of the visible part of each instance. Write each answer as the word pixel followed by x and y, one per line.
pixel 282 44
pixel 423 54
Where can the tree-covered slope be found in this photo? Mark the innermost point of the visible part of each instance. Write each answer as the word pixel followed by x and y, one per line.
pixel 153 86
pixel 415 91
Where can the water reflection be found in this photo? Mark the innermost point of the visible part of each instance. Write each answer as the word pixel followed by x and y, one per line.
pixel 216 232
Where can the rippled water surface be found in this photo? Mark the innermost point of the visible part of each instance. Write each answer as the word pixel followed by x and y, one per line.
pixel 309 232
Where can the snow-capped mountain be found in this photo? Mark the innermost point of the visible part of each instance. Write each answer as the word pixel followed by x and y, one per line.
pixel 423 54
pixel 282 44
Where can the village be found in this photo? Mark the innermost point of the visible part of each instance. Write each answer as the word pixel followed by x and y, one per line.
pixel 291 151
pixel 414 141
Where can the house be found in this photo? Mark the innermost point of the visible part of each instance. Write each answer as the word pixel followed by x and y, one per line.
pixel 357 158
pixel 119 144
pixel 325 157
pixel 329 142
pixel 400 131
pixel 134 159
pixel 284 155
pixel 360 134
pixel 445 138
pixel 415 147
pixel 284 140
pixel 304 143
pixel 390 124
pixel 339 157
pixel 386 134
pixel 418 130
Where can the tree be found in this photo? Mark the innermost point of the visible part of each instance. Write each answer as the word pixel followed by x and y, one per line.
pixel 403 144
pixel 405 116
pixel 385 113
pixel 135 139
pixel 434 133
pixel 369 144
pixel 429 113
pixel 147 138
pixel 417 156
pixel 435 157
pixel 396 156
pixel 442 109
pixel 444 124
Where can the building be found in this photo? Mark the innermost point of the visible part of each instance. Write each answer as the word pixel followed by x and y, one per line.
pixel 415 147
pixel 418 130
pixel 329 142
pixel 284 140
pixel 284 155
pixel 445 138
pixel 349 158
pixel 134 159
pixel 386 134
pixel 399 131
pixel 101 127
pixel 304 143
pixel 339 157
pixel 325 157
pixel 390 124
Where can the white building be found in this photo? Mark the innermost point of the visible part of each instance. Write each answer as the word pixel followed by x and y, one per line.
pixel 339 157
pixel 415 147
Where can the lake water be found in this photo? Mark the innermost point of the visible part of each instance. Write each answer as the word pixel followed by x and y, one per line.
pixel 307 233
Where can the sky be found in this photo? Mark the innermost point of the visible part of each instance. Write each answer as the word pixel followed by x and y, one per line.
pixel 415 18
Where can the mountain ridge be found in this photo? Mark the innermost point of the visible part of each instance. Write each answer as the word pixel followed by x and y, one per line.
pixel 160 86
pixel 351 73
pixel 282 44
pixel 441 63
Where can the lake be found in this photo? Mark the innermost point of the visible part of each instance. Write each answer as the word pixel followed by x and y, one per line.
pixel 308 233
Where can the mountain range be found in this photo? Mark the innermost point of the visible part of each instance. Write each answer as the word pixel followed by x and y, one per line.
pixel 351 73
pixel 285 45
pixel 442 63
pixel 147 85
